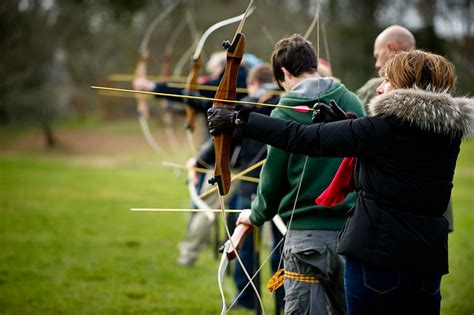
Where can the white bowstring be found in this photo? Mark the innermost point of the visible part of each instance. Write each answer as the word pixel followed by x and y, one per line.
pixel 300 184
pixel 256 272
pixel 248 11
pixel 306 159
pixel 292 212
pixel 221 201
pixel 297 194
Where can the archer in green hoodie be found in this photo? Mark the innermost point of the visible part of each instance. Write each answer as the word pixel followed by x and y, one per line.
pixel 281 174
pixel 290 183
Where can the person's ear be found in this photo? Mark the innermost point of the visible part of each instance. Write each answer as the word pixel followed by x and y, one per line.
pixel 286 73
pixel 392 48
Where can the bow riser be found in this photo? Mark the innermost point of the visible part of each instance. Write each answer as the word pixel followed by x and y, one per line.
pixel 227 90
pixel 191 81
pixel 140 73
pixel 166 67
pixel 238 237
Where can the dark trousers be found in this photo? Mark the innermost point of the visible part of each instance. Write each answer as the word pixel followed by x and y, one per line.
pixel 373 291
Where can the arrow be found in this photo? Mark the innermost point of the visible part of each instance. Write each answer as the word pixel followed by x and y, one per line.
pixel 301 109
pixel 182 210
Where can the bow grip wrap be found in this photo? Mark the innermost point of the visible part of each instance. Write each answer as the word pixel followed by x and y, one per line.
pixel 227 90
pixel 238 237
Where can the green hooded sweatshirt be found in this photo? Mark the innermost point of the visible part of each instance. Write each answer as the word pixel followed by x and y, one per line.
pixel 281 173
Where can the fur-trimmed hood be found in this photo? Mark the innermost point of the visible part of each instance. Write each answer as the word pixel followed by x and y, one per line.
pixel 431 111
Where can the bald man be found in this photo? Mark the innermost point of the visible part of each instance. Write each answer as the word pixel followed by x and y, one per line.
pixel 391 40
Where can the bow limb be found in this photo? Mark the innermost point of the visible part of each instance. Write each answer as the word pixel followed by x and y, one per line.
pixel 169 48
pixel 196 61
pixel 142 105
pixel 154 24
pixel 227 90
pixel 167 115
pixel 220 277
pixel 277 220
pixel 178 70
pixel 313 23
pixel 190 82
pixel 140 73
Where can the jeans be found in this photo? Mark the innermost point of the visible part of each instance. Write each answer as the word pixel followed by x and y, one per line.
pixel 374 291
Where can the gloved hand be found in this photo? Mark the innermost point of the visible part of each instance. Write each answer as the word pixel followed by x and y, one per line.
pixel 224 120
pixel 325 113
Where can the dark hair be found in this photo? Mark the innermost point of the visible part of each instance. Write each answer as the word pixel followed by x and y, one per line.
pixel 296 55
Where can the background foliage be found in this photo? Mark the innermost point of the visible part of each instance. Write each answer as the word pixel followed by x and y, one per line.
pixel 53 50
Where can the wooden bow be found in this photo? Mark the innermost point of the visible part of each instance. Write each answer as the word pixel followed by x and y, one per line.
pixel 140 73
pixel 196 63
pixel 227 90
pixel 222 176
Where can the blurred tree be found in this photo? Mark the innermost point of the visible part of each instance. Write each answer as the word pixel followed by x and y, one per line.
pixel 52 51
pixel 457 27
pixel 25 50
pixel 353 27
pixel 46 50
pixel 426 36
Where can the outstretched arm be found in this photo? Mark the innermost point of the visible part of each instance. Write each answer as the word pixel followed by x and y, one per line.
pixel 342 138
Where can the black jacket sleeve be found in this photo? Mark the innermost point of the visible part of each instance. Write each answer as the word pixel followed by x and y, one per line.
pixel 358 137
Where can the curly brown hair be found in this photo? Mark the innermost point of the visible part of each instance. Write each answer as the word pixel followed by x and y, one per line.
pixel 417 68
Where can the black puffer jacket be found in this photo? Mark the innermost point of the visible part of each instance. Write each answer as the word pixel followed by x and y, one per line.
pixel 407 151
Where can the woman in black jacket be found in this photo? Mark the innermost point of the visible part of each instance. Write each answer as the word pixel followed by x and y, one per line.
pixel 395 238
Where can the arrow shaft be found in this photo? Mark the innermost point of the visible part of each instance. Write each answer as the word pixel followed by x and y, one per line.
pixel 203 87
pixel 182 210
pixel 192 97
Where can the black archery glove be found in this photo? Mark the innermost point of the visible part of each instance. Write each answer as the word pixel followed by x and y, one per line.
pixel 224 120
pixel 329 113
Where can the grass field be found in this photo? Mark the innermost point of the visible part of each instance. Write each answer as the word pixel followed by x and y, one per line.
pixel 69 244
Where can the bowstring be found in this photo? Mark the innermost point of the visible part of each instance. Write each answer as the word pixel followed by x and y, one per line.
pixel 142 119
pixel 316 21
pixel 221 198
pixel 300 184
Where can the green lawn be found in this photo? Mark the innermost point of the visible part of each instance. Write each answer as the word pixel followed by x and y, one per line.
pixel 458 285
pixel 69 244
